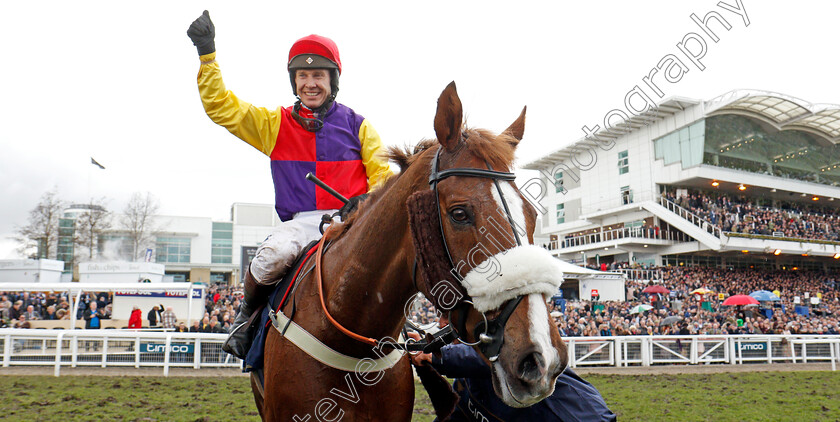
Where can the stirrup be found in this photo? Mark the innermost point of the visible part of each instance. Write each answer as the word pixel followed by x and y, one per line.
pixel 238 335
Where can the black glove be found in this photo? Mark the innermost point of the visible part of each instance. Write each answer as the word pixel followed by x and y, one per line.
pixel 350 206
pixel 202 33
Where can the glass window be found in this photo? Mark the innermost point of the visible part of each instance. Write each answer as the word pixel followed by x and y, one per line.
pixel 218 278
pixel 222 230
pixel 746 144
pixel 221 251
pixel 623 162
pixel 561 213
pixel 626 195
pixel 173 250
pixel 558 182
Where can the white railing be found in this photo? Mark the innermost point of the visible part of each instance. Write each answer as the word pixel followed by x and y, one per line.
pixel 110 348
pixel 125 348
pixel 621 200
pixel 690 217
pixel 641 274
pixel 725 349
pixel 621 233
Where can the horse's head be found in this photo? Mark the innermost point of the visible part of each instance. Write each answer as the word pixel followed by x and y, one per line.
pixel 473 232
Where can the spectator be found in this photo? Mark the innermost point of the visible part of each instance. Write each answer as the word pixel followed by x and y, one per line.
pixel 214 326
pixel 135 320
pixel 21 322
pixel 154 316
pixel 31 314
pixel 16 310
pixel 205 325
pixel 168 318
pixel 196 327
pixel 5 306
pixel 181 328
pixel 93 316
pixel 50 313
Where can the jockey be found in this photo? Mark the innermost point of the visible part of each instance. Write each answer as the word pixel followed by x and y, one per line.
pixel 315 135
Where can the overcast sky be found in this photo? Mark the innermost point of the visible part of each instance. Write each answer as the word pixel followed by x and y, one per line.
pixel 116 81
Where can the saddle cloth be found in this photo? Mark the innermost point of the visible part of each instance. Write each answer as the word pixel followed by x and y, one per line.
pixel 261 324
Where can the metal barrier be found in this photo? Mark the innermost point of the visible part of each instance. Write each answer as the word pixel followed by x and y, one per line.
pixel 112 348
pixel 694 350
pixel 127 348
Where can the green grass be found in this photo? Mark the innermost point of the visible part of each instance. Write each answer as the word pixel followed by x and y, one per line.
pixel 759 396
pixel 748 396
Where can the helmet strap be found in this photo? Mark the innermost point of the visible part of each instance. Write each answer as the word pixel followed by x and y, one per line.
pixel 314 123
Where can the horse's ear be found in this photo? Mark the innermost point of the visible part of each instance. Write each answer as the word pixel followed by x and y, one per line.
pixel 448 118
pixel 517 128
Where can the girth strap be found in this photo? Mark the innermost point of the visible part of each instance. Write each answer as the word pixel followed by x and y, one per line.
pixel 313 347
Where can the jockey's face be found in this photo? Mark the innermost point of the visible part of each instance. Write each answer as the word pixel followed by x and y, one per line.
pixel 312 86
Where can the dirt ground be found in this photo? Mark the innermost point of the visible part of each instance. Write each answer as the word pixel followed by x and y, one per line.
pixel 233 372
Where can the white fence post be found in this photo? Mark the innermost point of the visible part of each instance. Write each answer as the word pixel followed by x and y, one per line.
pixel 104 352
pixel 74 350
pixel 617 349
pixel 693 352
pixel 58 354
pixel 137 351
pixel 166 355
pixel 733 356
pixel 197 354
pixel 7 350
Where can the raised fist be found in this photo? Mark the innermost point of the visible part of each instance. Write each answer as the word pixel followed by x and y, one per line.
pixel 202 32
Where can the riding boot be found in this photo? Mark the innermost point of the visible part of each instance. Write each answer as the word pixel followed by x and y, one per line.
pixel 256 295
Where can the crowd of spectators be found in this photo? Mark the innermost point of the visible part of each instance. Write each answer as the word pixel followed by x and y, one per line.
pixel 701 314
pixel 704 314
pixel 18 309
pixel 757 216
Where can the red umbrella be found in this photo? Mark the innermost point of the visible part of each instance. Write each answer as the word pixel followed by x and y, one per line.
pixel 656 288
pixel 740 300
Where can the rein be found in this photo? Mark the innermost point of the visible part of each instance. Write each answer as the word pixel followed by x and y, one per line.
pixel 491 335
pixel 319 280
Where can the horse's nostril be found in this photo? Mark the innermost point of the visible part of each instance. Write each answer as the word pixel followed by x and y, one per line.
pixel 532 367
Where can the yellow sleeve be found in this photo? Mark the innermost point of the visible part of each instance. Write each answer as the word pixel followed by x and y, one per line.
pixel 376 167
pixel 257 126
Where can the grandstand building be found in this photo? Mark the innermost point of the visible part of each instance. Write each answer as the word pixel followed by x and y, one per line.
pixel 750 179
pixel 192 249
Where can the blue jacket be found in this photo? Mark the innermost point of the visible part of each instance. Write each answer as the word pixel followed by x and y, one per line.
pixel 573 400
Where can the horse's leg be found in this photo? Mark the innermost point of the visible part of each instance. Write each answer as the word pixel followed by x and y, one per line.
pixel 257 388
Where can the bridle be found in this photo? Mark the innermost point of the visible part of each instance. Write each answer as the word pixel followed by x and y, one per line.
pixel 490 333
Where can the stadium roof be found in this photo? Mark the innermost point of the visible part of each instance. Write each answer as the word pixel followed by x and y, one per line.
pixel 781 111
pixel 778 110
pixel 667 108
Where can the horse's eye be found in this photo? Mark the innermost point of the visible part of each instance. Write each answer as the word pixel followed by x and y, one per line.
pixel 460 215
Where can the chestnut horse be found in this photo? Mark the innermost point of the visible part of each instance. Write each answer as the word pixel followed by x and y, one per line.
pixel 368 269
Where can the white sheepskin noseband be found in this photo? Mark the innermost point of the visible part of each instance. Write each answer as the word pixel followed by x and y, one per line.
pixel 519 271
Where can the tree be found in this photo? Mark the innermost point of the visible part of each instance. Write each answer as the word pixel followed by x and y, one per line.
pixel 90 226
pixel 39 237
pixel 138 221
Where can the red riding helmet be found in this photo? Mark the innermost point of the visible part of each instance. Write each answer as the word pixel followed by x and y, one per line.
pixel 315 52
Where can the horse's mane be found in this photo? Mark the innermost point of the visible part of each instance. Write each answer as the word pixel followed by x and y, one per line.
pixel 496 150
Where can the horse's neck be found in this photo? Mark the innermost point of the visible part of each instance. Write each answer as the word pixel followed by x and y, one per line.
pixel 371 265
